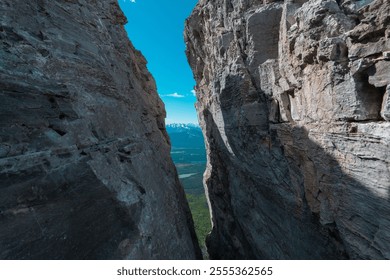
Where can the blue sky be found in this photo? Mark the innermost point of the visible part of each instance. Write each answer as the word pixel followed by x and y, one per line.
pixel 156 29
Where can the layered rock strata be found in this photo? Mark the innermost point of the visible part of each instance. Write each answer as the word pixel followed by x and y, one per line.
pixel 85 170
pixel 293 99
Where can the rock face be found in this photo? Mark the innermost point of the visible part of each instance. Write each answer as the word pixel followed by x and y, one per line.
pixel 293 99
pixel 85 171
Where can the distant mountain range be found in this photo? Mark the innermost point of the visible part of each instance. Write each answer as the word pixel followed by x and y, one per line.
pixel 185 135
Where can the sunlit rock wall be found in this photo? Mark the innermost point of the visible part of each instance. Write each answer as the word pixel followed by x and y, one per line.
pixel 293 99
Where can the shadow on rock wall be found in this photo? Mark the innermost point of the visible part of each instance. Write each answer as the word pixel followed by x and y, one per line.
pixel 281 195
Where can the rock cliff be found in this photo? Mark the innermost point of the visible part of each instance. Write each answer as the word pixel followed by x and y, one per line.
pixel 85 170
pixel 293 100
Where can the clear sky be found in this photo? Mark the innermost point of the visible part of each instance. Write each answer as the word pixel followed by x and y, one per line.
pixel 156 29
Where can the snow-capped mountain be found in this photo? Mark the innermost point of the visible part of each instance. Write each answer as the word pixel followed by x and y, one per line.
pixel 185 135
pixel 182 126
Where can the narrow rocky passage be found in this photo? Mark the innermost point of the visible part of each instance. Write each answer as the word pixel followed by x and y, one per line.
pixel 293 100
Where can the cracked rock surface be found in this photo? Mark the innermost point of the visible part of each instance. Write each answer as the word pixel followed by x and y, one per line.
pixel 293 100
pixel 85 170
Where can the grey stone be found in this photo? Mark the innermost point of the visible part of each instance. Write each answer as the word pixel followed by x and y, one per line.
pixel 85 168
pixel 385 112
pixel 304 173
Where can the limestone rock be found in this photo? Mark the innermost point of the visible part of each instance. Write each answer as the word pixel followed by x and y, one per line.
pixel 85 170
pixel 293 98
